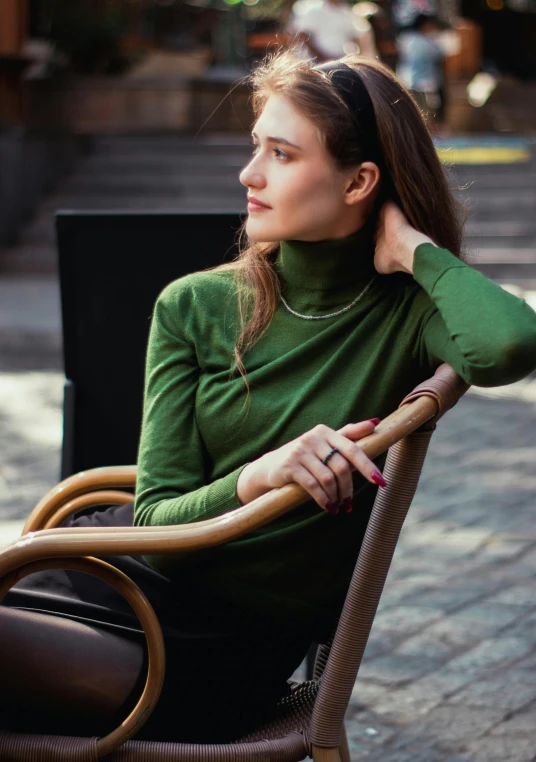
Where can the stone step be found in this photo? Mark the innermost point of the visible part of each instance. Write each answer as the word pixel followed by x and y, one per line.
pixel 29 259
pixel 211 140
pixel 483 216
pixel 482 243
pixel 498 201
pixel 508 272
pixel 492 257
pixel 501 229
pixel 150 164
pixel 171 151
pixel 197 203
pixel 180 182
pixel 493 182
pixel 40 230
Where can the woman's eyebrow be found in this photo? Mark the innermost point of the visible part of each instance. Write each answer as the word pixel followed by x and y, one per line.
pixel 283 141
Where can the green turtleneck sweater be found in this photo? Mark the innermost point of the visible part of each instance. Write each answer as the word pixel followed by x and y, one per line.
pixel 198 432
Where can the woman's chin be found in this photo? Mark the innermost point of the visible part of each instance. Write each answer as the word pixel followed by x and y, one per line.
pixel 259 233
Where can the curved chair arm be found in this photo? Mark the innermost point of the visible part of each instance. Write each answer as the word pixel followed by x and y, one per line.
pixel 68 542
pixel 58 497
pixel 149 623
pixel 88 500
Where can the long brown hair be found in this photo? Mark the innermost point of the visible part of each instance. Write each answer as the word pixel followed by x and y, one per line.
pixel 413 176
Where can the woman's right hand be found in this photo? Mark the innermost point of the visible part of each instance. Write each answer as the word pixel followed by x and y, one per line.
pixel 301 461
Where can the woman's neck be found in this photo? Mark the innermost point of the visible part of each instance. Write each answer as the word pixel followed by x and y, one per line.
pixel 322 274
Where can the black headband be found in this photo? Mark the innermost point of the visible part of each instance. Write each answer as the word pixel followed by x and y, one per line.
pixel 354 93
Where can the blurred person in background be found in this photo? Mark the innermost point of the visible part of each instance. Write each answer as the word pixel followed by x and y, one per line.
pixel 323 30
pixel 420 67
pixel 383 29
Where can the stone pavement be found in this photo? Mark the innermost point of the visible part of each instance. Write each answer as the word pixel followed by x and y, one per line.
pixel 450 669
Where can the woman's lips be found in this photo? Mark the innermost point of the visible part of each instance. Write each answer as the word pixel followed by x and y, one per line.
pixel 256 206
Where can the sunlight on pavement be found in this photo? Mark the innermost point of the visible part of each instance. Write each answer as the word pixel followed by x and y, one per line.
pixel 9 531
pixel 31 425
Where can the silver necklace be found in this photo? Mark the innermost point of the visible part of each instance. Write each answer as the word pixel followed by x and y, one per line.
pixel 331 314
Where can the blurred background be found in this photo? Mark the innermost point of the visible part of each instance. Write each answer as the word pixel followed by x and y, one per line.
pixel 104 77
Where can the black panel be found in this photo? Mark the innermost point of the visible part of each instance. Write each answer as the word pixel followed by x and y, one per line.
pixel 112 268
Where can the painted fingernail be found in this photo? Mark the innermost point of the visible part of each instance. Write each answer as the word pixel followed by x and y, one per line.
pixel 332 508
pixel 378 478
pixel 375 421
pixel 347 504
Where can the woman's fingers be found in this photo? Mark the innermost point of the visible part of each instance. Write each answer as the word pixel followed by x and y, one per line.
pixel 355 431
pixel 335 476
pixel 355 455
pixel 328 456
pixel 311 484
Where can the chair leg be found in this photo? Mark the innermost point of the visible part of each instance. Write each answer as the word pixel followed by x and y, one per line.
pixel 326 755
pixel 342 754
pixel 344 749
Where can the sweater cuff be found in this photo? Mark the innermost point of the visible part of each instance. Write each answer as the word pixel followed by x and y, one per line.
pixel 220 496
pixel 430 263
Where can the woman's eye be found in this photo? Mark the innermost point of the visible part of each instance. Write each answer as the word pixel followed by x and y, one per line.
pixel 278 153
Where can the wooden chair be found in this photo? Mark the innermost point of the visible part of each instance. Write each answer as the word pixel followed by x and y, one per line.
pixel 310 722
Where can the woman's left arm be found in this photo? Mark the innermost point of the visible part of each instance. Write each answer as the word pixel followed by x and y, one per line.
pixel 485 333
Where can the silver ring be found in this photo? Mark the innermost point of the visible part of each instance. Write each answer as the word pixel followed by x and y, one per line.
pixel 329 456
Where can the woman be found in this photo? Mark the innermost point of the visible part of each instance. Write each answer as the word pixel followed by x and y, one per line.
pixel 256 374
pixel 421 65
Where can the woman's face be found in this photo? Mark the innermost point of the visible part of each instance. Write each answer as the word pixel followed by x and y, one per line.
pixel 292 174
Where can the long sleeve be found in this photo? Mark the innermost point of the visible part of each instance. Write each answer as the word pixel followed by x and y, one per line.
pixel 485 333
pixel 172 464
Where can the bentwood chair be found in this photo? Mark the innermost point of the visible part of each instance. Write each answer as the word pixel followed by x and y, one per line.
pixel 310 722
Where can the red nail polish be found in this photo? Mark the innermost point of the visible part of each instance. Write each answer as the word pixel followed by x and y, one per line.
pixel 375 421
pixel 332 508
pixel 378 478
pixel 347 504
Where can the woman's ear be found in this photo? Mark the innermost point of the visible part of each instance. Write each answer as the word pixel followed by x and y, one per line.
pixel 363 184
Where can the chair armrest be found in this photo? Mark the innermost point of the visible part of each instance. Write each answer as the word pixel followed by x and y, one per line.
pixel 67 491
pixel 110 541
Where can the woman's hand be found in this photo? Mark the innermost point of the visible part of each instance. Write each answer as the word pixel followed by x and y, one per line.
pixel 305 461
pixel 396 241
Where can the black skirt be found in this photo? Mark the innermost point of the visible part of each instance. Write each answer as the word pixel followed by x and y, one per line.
pixel 225 668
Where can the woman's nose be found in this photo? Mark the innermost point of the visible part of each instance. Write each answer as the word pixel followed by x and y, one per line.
pixel 251 177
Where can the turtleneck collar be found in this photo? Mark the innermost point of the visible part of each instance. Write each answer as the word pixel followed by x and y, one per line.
pixel 340 264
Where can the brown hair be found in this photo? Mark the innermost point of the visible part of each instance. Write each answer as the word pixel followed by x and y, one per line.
pixel 413 176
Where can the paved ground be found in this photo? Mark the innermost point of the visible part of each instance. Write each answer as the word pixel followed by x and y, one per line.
pixel 450 670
